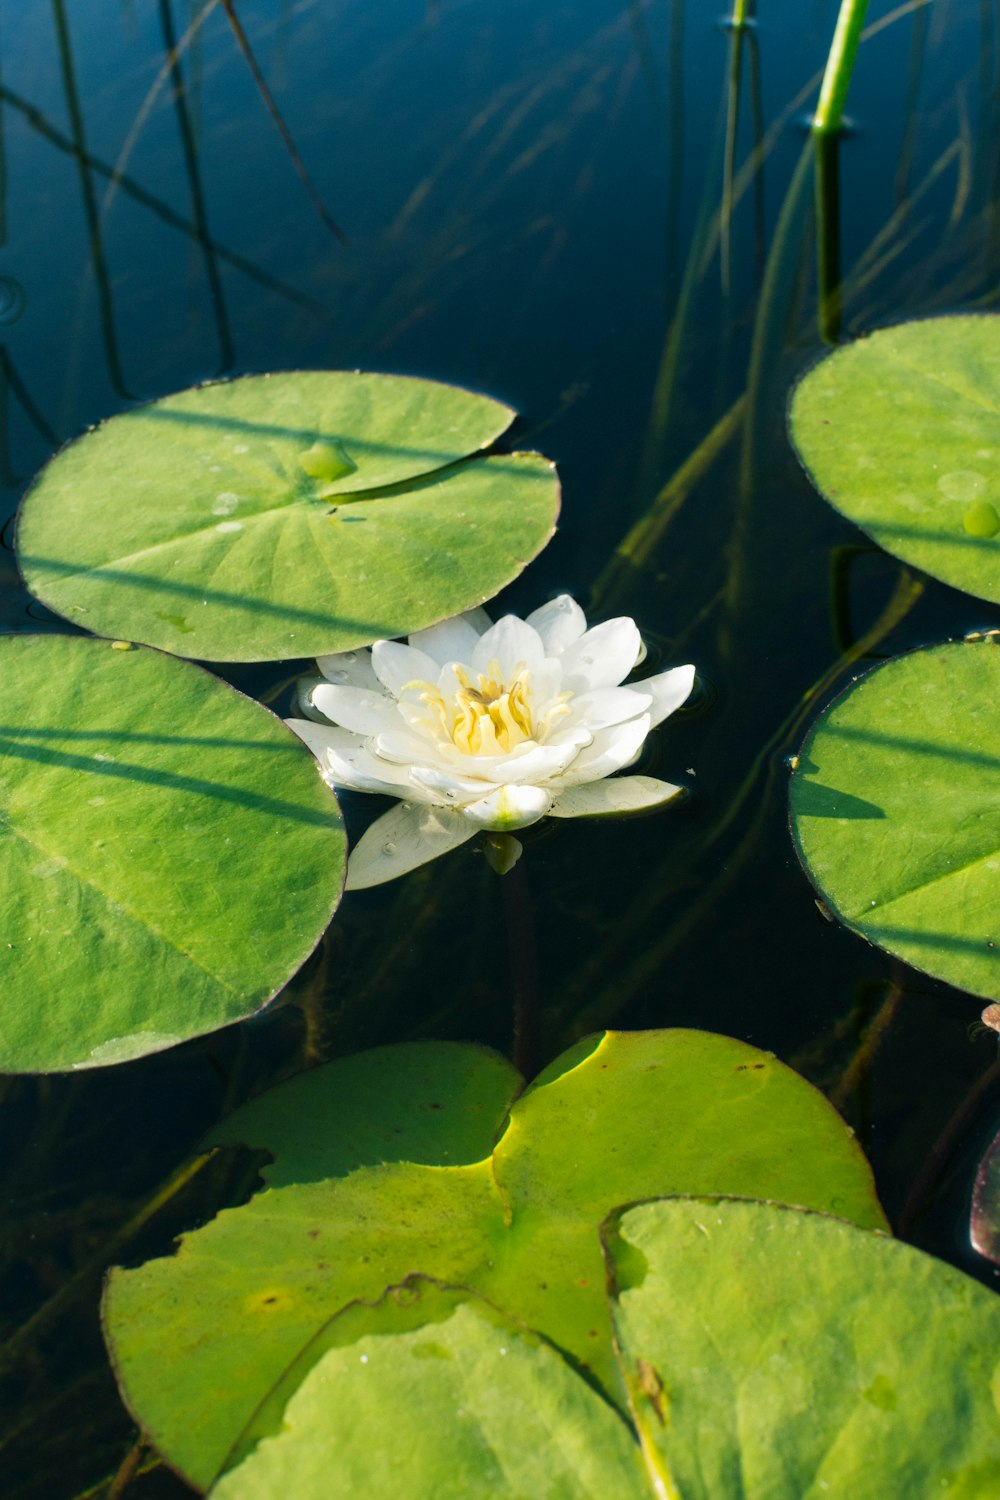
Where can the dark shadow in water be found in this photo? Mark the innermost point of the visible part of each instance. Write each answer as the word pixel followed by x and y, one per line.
pixel 11 383
pixel 813 800
pixel 227 353
pixel 37 121
pixel 97 256
pixel 279 122
pixel 3 172
pixel 171 781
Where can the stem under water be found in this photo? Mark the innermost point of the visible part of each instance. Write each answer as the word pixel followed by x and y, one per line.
pixel 522 951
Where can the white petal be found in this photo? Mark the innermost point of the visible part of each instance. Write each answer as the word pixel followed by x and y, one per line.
pixel 602 657
pixel 546 684
pixel 613 749
pixel 535 763
pixel 508 808
pixel 669 690
pixel 396 666
pixel 317 736
pixel 346 763
pixel 606 706
pixel 403 838
pixel 412 743
pixel 511 643
pixel 452 640
pixel 449 787
pixel 349 669
pixel 612 798
pixel 356 708
pixel 559 623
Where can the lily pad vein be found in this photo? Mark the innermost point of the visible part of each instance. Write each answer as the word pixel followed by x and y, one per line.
pixel 921 885
pixel 113 900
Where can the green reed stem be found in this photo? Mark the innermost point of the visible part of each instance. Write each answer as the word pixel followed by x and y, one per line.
pixel 839 67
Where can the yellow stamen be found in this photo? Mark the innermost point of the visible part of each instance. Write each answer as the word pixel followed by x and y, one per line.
pixel 487 716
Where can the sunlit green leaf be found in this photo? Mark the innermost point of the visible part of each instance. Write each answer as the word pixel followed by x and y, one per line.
pixel 896 810
pixel 900 431
pixel 235 522
pixel 620 1117
pixel 447 1399
pixel 145 806
pixel 771 1352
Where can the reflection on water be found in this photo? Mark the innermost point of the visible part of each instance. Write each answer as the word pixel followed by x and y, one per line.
pixel 605 214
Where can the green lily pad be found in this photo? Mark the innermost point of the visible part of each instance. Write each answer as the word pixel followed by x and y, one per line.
pixel 984 1224
pixel 620 1117
pixel 773 1352
pixel 284 515
pixel 447 1399
pixel 895 805
pixel 900 431
pixel 144 808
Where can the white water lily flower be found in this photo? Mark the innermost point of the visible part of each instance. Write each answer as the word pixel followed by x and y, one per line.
pixel 479 726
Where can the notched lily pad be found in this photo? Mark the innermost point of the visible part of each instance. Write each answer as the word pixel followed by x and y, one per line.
pixel 284 515
pixel 661 1112
pixel 770 1351
pixel 447 1398
pixel 895 810
pixel 900 432
pixel 144 806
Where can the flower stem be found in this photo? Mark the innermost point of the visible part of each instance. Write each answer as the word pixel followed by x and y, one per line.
pixel 523 954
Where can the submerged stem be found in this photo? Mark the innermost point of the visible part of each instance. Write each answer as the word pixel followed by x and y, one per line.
pixel 523 953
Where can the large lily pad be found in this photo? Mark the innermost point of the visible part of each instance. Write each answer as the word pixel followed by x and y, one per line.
pixel 896 810
pixel 620 1117
pixel 447 1399
pixel 284 515
pixel 168 854
pixel 774 1352
pixel 900 431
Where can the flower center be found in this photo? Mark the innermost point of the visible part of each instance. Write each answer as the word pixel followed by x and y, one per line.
pixel 492 715
pixel 487 715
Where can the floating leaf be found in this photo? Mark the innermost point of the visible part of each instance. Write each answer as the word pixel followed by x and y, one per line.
pixel 144 808
pixel 896 810
pixel 985 1220
pixel 446 1399
pixel 900 431
pixel 237 522
pixel 773 1352
pixel 660 1112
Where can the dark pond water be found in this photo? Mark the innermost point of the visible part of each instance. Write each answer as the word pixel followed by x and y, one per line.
pixel 527 202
